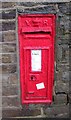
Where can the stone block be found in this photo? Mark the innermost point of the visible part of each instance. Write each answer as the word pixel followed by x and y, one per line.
pixel 9 14
pixel 0 4
pixel 63 55
pixel 63 39
pixel 7 113
pixel 0 58
pixel 9 58
pixel 62 73
pixel 10 101
pixel 58 75
pixel 0 69
pixel 31 110
pixel 0 112
pixel 60 111
pixel 8 25
pixel 65 76
pixel 6 69
pixel 0 91
pixel 8 4
pixel 61 87
pixel 9 90
pixel 0 15
pixel 28 112
pixel 65 24
pixel 0 47
pixel 60 99
pixel 8 36
pixel 64 8
pixel 8 47
pixel 20 113
pixel 0 37
pixel 36 8
pixel 69 98
pixel 27 4
pixel 9 79
pixel 58 54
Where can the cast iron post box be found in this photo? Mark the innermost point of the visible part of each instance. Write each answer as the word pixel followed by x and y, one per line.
pixel 36 41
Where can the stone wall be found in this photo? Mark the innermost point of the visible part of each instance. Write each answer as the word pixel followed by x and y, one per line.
pixel 11 101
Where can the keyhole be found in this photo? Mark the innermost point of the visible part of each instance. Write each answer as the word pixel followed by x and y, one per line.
pixel 33 78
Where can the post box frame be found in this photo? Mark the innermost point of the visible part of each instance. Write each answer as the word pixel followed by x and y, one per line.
pixel 22 71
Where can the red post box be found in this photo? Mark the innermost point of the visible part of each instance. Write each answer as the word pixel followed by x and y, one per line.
pixel 36 41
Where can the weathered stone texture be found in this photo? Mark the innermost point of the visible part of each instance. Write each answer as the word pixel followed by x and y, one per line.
pixel 9 90
pixel 18 112
pixel 9 14
pixel 48 8
pixel 0 58
pixel 8 26
pixel 10 101
pixel 60 99
pixel 62 87
pixel 8 36
pixel 64 8
pixel 9 58
pixel 8 47
pixel 0 37
pixel 8 4
pixel 0 47
pixel 63 56
pixel 0 69
pixel 9 68
pixel 60 111
pixel 9 113
pixel 10 79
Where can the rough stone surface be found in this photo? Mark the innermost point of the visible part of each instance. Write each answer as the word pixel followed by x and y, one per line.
pixel 64 8
pixel 8 26
pixel 10 101
pixel 8 4
pixel 9 113
pixel 8 37
pixel 0 47
pixel 9 14
pixel 9 68
pixel 60 99
pixel 62 87
pixel 1 70
pixel 17 112
pixel 10 79
pixel 9 90
pixel 8 47
pixel 57 111
pixel 0 58
pixel 9 58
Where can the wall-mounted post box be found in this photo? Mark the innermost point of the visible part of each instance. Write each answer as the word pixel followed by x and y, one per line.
pixel 36 41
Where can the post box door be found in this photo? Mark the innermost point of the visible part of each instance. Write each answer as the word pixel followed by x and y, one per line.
pixel 36 77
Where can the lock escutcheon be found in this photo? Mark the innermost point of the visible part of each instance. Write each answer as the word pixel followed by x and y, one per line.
pixel 33 77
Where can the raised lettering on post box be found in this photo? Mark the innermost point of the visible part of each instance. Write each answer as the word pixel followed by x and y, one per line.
pixel 36 48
